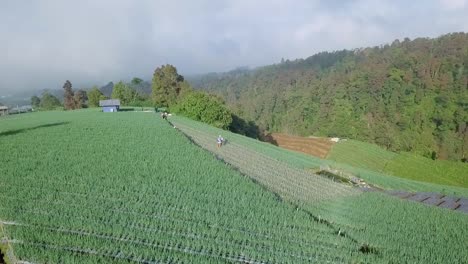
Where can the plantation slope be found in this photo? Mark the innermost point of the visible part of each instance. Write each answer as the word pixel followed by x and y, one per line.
pixel 92 187
pixel 296 185
pixel 403 165
pixel 400 231
pixel 303 161
pixel 388 229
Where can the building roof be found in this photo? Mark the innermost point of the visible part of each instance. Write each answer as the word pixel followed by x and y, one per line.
pixel 110 102
pixel 3 107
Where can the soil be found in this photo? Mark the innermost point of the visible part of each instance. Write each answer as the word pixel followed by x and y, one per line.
pixel 318 147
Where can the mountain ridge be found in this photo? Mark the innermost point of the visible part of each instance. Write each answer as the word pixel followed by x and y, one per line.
pixel 410 95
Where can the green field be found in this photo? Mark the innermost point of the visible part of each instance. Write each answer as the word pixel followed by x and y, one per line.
pixel 303 161
pixel 404 165
pixel 92 187
pixel 396 231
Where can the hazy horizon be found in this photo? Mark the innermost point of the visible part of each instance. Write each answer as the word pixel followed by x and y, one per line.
pixel 94 42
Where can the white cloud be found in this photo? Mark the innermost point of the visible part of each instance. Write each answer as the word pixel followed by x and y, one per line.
pixel 93 42
pixel 453 4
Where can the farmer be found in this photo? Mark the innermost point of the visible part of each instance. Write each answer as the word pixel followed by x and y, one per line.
pixel 220 141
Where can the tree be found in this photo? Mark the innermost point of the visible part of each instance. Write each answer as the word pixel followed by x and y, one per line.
pixel 166 86
pixel 94 96
pixel 119 91
pixel 125 93
pixel 68 98
pixel 408 96
pixel 136 81
pixel 49 102
pixel 35 101
pixel 206 108
pixel 80 99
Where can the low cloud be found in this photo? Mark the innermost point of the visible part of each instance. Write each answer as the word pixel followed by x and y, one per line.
pixel 93 42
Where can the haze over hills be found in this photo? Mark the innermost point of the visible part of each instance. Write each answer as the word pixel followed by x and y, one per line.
pixel 410 95
pixel 405 96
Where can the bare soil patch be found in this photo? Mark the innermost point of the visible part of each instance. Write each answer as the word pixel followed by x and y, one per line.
pixel 318 147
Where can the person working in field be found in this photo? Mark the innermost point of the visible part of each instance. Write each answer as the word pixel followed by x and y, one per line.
pixel 220 141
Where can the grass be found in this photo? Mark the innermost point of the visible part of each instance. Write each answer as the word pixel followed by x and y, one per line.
pixel 403 165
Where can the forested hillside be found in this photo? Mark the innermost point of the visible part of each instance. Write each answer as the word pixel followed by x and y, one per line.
pixel 410 95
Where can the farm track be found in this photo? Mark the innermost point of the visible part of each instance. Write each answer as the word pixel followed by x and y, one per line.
pixel 290 183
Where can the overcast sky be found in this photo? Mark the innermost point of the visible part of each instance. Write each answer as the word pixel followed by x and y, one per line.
pixel 45 42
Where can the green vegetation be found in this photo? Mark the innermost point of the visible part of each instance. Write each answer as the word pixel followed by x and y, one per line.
pixel 90 187
pixel 205 108
pixel 94 95
pixel 168 86
pixel 303 161
pixel 128 187
pixel 47 102
pixel 125 93
pixel 390 230
pixel 408 96
pixel 405 165
pixel 400 231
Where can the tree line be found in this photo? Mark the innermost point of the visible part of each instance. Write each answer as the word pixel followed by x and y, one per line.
pixel 406 96
pixel 168 90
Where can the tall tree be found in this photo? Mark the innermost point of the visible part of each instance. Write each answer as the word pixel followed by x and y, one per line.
pixel 167 85
pixel 80 98
pixel 119 91
pixel 206 108
pixel 68 98
pixel 136 81
pixel 94 96
pixel 35 101
pixel 125 93
pixel 49 102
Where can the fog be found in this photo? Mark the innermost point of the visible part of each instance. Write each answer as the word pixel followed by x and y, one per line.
pixel 43 43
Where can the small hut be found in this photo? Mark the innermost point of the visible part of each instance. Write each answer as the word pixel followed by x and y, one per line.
pixel 111 105
pixel 3 110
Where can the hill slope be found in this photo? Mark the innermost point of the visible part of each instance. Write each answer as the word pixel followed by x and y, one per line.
pixel 93 187
pixel 388 229
pixel 408 96
pixel 405 165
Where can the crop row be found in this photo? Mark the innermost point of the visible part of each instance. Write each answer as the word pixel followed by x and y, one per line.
pixel 289 182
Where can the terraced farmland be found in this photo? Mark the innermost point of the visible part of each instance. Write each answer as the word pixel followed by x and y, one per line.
pixel 91 187
pixel 302 161
pixel 404 165
pixel 387 228
pixel 290 183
